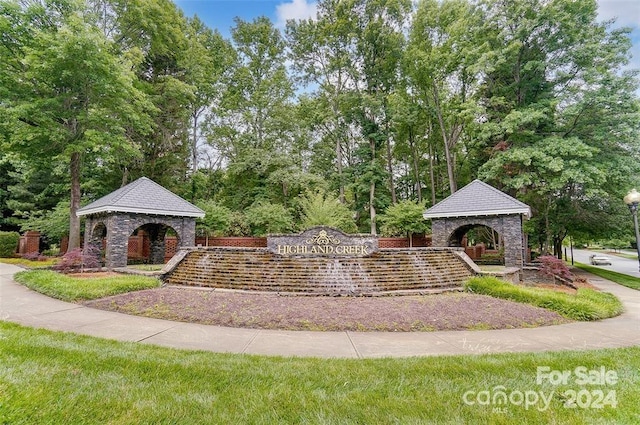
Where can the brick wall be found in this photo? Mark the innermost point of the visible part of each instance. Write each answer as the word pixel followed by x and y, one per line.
pixel 29 242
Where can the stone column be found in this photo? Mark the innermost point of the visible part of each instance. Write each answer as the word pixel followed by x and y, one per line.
pixel 156 240
pixel 512 235
pixel 117 241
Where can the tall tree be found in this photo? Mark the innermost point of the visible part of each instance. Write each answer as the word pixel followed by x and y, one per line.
pixel 67 94
pixel 253 129
pixel 441 62
pixel 562 122
pixel 376 53
pixel 155 33
pixel 207 61
pixel 320 54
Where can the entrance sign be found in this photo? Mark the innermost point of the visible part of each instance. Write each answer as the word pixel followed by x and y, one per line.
pixel 322 241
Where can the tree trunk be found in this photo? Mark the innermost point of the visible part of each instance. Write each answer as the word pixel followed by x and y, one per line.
pixel 372 208
pixel 339 168
pixel 74 220
pixel 416 169
pixel 372 190
pixel 392 186
pixel 194 142
pixel 447 143
pixel 432 175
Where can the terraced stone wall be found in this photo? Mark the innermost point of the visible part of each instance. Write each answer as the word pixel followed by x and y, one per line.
pixel 387 271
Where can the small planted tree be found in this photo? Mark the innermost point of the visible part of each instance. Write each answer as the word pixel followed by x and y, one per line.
pixel 265 218
pixel 217 219
pixel 404 218
pixel 323 209
pixel 79 259
pixel 552 266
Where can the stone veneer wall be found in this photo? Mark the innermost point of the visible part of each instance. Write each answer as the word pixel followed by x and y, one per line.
pixel 509 227
pixel 386 272
pixel 120 226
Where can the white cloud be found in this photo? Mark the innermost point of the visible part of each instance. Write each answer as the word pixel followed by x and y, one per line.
pixel 626 12
pixel 296 9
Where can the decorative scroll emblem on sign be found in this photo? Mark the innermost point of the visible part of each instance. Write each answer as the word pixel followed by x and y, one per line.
pixel 323 238
pixel 322 241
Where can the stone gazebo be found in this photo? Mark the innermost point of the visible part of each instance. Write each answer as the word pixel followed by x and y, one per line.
pixel 142 204
pixel 479 204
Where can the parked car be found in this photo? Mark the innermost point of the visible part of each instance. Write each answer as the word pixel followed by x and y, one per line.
pixel 602 260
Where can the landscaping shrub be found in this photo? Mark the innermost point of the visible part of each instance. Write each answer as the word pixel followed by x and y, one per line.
pixel 552 266
pixel 32 256
pixel 8 243
pixel 79 259
pixel 585 305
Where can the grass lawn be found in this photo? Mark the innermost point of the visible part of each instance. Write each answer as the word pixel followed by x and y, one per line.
pixel 30 263
pixel 623 255
pixel 69 288
pixel 59 378
pixel 620 278
pixel 146 267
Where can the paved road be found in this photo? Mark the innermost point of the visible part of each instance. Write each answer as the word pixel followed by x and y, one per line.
pixel 618 264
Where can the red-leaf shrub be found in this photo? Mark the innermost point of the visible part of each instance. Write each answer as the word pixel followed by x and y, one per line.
pixel 32 256
pixel 552 266
pixel 79 259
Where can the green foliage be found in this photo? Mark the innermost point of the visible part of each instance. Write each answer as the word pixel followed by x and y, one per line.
pixel 54 223
pixel 323 209
pixel 400 102
pixel 69 288
pixel 585 305
pixel 404 218
pixel 265 218
pixel 8 243
pixel 239 225
pixel 615 244
pixel 217 219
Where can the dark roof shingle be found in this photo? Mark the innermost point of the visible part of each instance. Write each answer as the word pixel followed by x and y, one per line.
pixel 143 196
pixel 477 199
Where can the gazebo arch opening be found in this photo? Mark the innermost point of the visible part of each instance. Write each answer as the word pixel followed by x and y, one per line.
pixel 481 243
pixel 152 243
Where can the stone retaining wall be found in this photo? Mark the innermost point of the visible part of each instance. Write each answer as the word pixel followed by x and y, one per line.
pixel 388 271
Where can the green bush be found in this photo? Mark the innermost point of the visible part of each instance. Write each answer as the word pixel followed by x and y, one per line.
pixel 217 220
pixel 404 219
pixel 323 209
pixel 8 243
pixel 585 305
pixel 265 218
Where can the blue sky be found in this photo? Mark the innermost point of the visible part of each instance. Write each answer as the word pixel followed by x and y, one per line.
pixel 221 13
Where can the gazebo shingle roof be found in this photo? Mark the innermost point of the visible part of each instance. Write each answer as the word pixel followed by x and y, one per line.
pixel 477 199
pixel 143 196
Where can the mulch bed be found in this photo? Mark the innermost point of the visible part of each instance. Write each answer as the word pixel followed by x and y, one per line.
pixel 452 311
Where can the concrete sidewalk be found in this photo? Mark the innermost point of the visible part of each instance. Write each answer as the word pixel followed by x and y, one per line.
pixel 21 305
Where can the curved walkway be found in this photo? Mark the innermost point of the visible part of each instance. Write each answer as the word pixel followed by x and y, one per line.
pixel 21 305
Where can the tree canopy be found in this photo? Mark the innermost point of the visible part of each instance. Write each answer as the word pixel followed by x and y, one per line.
pixel 358 117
